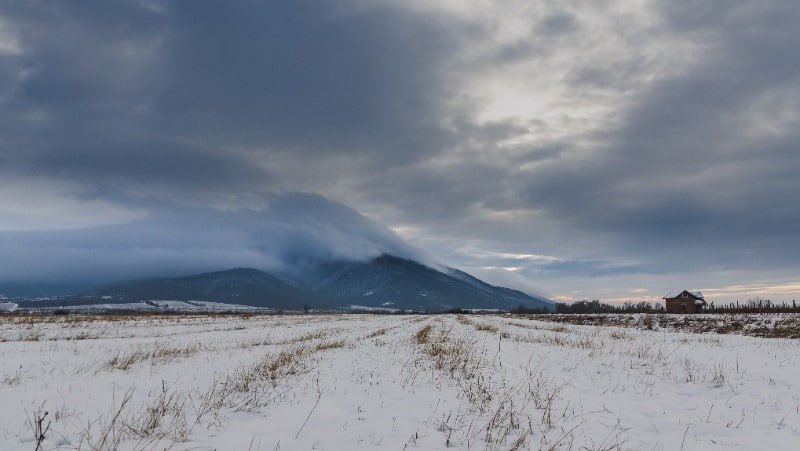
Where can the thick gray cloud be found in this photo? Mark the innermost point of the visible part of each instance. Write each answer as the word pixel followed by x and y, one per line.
pixel 288 232
pixel 186 95
pixel 611 149
pixel 702 159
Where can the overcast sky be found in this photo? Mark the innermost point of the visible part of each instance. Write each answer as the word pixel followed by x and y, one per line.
pixel 577 149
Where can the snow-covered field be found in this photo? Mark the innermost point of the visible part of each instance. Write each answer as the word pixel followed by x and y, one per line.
pixel 343 382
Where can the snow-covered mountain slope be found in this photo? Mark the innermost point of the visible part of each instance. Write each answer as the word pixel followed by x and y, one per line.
pixel 389 281
pixel 244 286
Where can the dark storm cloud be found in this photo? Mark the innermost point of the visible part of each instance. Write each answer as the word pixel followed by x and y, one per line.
pixel 309 77
pixel 137 94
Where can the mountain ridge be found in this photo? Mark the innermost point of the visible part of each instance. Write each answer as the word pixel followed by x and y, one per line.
pixel 385 281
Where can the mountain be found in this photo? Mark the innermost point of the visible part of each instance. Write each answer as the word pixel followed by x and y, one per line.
pixel 394 282
pixel 41 289
pixel 67 268
pixel 244 286
pixel 383 282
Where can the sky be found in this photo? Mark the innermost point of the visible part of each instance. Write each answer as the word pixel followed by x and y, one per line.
pixel 613 150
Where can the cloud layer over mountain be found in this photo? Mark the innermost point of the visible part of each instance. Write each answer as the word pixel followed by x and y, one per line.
pixel 291 231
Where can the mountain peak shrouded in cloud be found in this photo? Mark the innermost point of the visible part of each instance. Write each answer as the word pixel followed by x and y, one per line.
pixel 289 231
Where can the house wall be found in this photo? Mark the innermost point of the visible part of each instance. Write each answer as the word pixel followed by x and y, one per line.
pixel 681 305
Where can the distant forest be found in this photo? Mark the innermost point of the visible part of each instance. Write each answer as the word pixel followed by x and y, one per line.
pixel 756 305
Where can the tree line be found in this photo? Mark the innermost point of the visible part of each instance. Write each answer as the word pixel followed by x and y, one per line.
pixel 756 305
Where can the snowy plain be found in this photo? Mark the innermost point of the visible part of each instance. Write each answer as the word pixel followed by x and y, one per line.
pixel 342 382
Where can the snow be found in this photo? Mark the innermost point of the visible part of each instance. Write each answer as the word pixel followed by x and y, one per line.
pixel 365 382
pixel 365 308
pixel 676 294
pixel 205 306
pixel 156 306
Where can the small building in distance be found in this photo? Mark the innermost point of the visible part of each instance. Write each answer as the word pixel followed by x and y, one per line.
pixel 685 302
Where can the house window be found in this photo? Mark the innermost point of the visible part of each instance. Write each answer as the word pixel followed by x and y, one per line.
pixel 685 294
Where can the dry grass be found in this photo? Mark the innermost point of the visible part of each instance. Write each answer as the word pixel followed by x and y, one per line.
pixel 308 336
pixel 459 358
pixel 305 337
pixel 158 354
pixel 486 328
pixel 24 317
pixel 12 379
pixel 508 416
pixel 33 335
pixel 171 414
pixel 324 346
pixel 377 333
pixel 477 325
pixel 777 325
pixel 579 341
pixel 423 335
pixel 270 368
pixel 164 417
pixel 619 335
pixel 42 326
